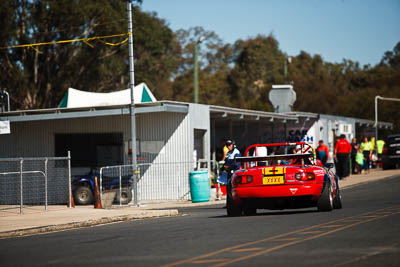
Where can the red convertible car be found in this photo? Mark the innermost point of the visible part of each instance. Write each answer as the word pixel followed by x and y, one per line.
pixel 283 180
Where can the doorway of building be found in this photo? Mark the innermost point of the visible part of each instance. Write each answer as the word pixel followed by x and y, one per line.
pixel 91 150
pixel 198 150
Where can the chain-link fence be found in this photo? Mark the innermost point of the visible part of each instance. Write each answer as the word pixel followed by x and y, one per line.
pixel 156 181
pixel 116 185
pixel 34 182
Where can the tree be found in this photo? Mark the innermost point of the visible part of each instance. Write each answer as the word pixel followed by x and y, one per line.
pixel 258 64
pixel 38 77
pixel 214 58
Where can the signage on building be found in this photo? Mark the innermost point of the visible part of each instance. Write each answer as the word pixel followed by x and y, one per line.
pixel 5 127
pixel 299 136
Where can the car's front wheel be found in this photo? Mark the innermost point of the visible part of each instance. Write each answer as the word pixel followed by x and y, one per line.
pixel 325 202
pixel 83 196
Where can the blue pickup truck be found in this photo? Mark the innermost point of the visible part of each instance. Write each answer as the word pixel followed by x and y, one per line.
pixel 83 188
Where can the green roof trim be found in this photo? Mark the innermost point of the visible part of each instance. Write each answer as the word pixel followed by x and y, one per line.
pixel 145 95
pixel 64 101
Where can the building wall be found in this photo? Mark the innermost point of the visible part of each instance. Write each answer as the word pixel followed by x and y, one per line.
pixel 165 174
pixel 36 138
pixel 162 137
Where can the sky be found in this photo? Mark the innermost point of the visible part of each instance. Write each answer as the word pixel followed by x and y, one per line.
pixel 357 30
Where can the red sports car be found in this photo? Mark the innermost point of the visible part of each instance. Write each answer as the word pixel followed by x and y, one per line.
pixel 275 178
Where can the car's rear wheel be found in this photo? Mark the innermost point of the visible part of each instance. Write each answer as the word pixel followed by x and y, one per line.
pixel 83 196
pixel 337 202
pixel 232 209
pixel 325 202
pixel 248 209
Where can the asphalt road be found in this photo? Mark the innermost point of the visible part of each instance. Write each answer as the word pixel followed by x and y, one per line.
pixel 366 232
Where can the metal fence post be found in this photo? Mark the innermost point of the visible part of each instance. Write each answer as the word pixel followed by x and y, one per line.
pixel 120 185
pixel 45 182
pixel 21 187
pixel 69 180
pixel 101 183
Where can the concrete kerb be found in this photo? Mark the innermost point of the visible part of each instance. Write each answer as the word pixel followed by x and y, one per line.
pixel 141 214
pixel 374 175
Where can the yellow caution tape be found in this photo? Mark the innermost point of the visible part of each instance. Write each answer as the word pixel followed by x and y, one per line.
pixel 85 40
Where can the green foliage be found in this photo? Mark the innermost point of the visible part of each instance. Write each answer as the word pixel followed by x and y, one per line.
pixel 38 78
pixel 258 65
pixel 237 75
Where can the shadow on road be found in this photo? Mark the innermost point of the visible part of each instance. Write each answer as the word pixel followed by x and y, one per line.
pixel 261 212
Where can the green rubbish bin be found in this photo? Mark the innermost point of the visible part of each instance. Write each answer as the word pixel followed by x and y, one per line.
pixel 199 186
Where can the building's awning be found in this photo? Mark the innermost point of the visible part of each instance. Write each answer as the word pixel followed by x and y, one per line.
pixel 74 98
pixel 226 113
pixel 84 112
pixel 370 123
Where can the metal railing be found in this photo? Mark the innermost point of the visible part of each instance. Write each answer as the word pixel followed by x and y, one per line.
pixel 35 181
pixel 156 181
pixel 117 180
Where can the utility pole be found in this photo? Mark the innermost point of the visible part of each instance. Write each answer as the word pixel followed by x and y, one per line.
pixel 195 74
pixel 131 109
pixel 196 69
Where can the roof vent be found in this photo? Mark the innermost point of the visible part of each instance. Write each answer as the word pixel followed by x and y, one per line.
pixel 282 97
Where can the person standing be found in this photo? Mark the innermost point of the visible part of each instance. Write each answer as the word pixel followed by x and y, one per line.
pixel 359 161
pixel 341 154
pixel 230 164
pixel 354 148
pixel 225 149
pixel 223 177
pixel 322 152
pixel 366 147
pixel 379 148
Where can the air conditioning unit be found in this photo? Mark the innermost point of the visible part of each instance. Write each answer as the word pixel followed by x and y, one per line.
pixel 345 128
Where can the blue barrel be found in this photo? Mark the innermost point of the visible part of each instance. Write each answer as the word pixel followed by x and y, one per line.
pixel 199 186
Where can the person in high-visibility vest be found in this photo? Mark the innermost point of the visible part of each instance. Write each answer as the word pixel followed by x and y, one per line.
pixel 366 147
pixel 354 150
pixel 379 147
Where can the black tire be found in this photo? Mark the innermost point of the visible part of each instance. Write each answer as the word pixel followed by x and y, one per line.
pixel 83 196
pixel 337 202
pixel 232 210
pixel 248 209
pixel 325 202
pixel 126 196
pixel 386 165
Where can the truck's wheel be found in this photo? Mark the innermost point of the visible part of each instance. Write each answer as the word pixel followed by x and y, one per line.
pixel 325 202
pixel 126 196
pixel 83 196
